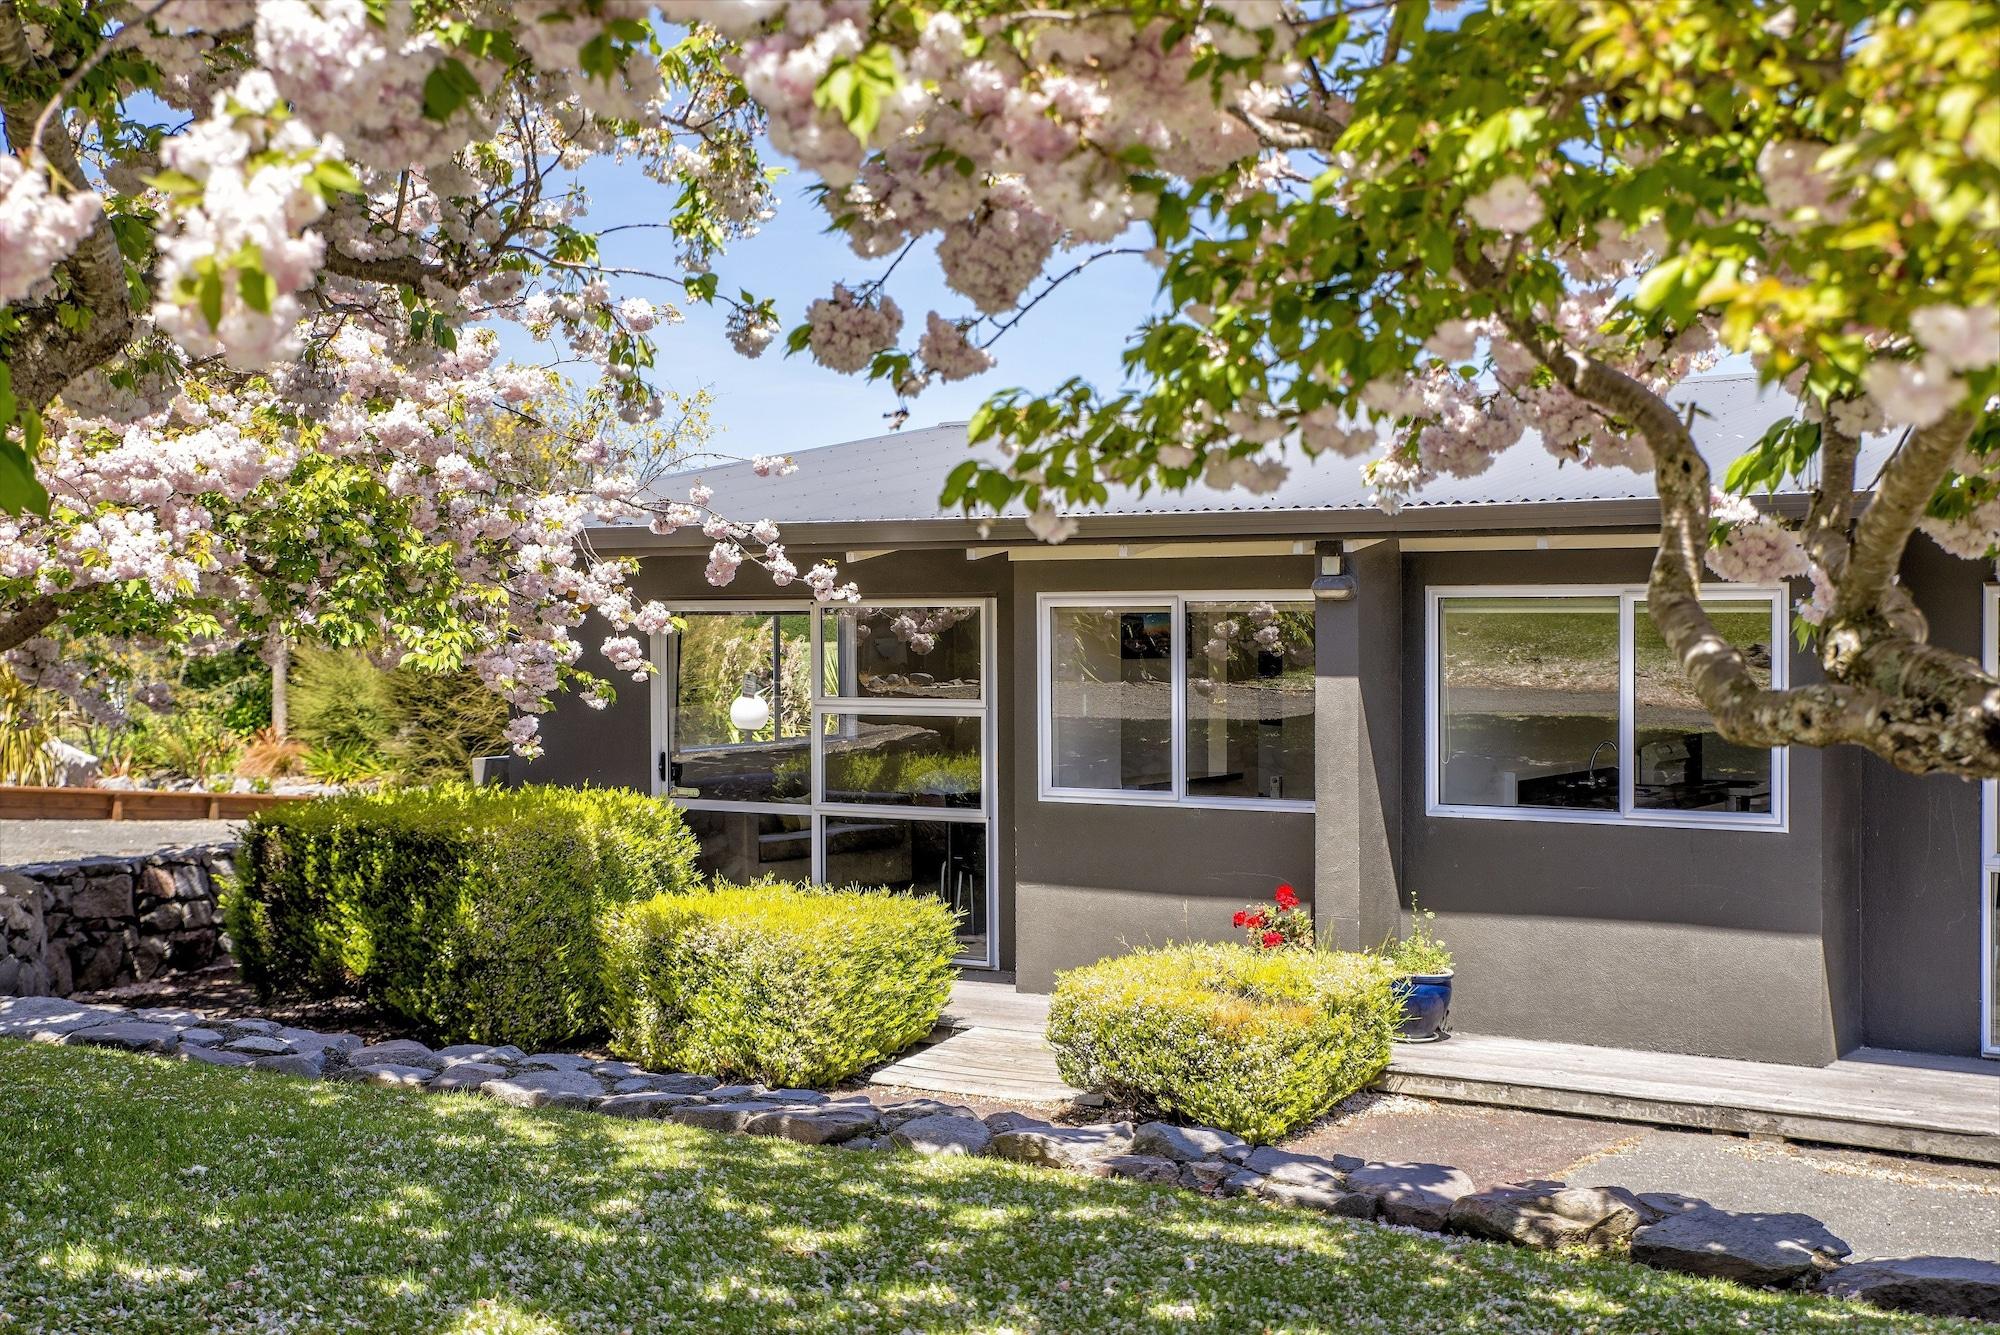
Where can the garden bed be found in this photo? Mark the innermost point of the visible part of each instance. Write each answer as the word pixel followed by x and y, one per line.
pixel 166 1197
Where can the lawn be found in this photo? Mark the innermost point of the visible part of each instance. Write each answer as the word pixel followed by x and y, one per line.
pixel 139 1195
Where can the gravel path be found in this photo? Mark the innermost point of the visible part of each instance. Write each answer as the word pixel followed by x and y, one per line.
pixel 29 841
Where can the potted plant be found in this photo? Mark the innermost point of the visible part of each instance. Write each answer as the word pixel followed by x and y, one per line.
pixel 1423 979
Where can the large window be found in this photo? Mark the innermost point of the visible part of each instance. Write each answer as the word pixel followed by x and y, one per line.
pixel 1989 864
pixel 1565 704
pixel 850 746
pixel 1201 699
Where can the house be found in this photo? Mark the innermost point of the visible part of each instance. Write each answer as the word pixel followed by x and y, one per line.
pixel 1124 738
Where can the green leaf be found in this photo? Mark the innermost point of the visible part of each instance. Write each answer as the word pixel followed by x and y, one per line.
pixel 257 289
pixel 449 87
pixel 209 293
pixel 335 177
pixel 176 183
pixel 19 488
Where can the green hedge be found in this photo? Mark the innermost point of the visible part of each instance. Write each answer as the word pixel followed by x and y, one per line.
pixel 475 913
pixel 786 985
pixel 1254 1041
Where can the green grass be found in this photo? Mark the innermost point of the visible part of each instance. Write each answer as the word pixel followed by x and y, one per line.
pixel 138 1195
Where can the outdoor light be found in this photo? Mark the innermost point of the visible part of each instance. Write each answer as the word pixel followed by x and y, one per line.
pixel 748 711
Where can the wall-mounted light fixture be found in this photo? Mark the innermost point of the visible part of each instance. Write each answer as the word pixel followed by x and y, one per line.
pixel 1332 580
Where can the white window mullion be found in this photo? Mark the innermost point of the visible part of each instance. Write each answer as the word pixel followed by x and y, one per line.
pixel 1628 670
pixel 1177 708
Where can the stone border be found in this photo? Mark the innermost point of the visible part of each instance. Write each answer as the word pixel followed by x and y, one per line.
pixel 1662 1230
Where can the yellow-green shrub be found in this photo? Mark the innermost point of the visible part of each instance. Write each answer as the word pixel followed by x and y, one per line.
pixel 1253 1041
pixel 476 913
pixel 788 985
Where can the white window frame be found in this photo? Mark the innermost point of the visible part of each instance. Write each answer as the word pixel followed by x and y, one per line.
pixel 1775 821
pixel 1989 851
pixel 1175 604
pixel 826 706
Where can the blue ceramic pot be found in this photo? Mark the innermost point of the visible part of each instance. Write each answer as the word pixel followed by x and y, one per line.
pixel 1426 1007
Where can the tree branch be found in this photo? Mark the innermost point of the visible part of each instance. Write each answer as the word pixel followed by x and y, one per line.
pixel 28 620
pixel 1908 482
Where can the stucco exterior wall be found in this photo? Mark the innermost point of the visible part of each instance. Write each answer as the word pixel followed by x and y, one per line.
pixel 1096 879
pixel 1675 940
pixel 1918 886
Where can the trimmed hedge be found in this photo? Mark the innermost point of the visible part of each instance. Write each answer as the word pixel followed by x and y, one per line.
pixel 786 985
pixel 474 913
pixel 1254 1041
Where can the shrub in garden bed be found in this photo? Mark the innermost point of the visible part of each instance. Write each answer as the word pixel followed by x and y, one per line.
pixel 475 913
pixel 788 985
pixel 1254 1041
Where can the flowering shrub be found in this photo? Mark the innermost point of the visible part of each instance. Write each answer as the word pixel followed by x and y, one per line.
pixel 1419 951
pixel 475 913
pixel 1286 924
pixel 1258 1042
pixel 788 985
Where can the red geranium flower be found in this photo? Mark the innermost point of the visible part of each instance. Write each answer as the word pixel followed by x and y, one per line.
pixel 1254 920
pixel 1287 897
pixel 1273 939
pixel 1241 916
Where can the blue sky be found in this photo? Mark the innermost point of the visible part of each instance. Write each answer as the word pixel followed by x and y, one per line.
pixel 779 404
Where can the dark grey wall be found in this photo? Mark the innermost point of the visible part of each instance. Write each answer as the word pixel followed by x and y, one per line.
pixel 1699 941
pixel 1918 884
pixel 1094 880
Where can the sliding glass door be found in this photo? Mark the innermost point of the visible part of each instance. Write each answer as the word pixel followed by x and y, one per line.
pixel 844 745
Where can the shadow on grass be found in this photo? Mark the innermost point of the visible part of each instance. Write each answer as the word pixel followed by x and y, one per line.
pixel 143 1195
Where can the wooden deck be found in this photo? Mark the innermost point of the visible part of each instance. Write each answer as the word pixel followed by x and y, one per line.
pixel 1912 1103
pixel 990 1045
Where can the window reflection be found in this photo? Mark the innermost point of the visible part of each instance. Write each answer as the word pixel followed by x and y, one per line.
pixel 946 859
pixel 1111 698
pixel 1250 700
pixel 1528 702
pixel 926 653
pixel 921 760
pixel 744 847
pixel 718 658
pixel 1684 764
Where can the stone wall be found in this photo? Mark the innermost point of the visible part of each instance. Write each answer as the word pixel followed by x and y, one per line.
pixel 105 921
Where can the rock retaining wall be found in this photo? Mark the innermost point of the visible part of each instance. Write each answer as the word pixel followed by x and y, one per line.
pixel 104 921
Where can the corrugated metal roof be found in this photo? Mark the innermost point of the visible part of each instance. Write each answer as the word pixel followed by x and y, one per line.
pixel 897 478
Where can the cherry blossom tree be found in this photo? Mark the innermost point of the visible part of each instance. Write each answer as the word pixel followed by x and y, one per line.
pixel 1412 238
pixel 246 251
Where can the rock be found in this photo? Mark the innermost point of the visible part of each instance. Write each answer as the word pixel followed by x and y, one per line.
pixel 311 1065
pixel 400 1051
pixel 1549 1214
pixel 794 1096
pixel 896 1114
pixel 1186 1144
pixel 1141 1167
pixel 259 1045
pixel 617 1070
pixel 638 1084
pixel 1325 1199
pixel 245 1028
pixel 1415 1195
pixel 734 1093
pixel 1770 1249
pixel 654 1105
pixel 1930 1285
pixel 1010 1120
pixel 465 1075
pixel 814 1125
pixel 1302 1170
pixel 386 1073
pixel 311 1040
pixel 1213 1177
pixel 169 1015
pixel 210 1056
pixel 481 1052
pixel 103 897
pixel 557 1061
pixel 132 1035
pixel 545 1089
pixel 201 1038
pixel 864 1143
pixel 24 1017
pixel 722 1116
pixel 941 1135
pixel 676 1083
pixel 1073 1147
